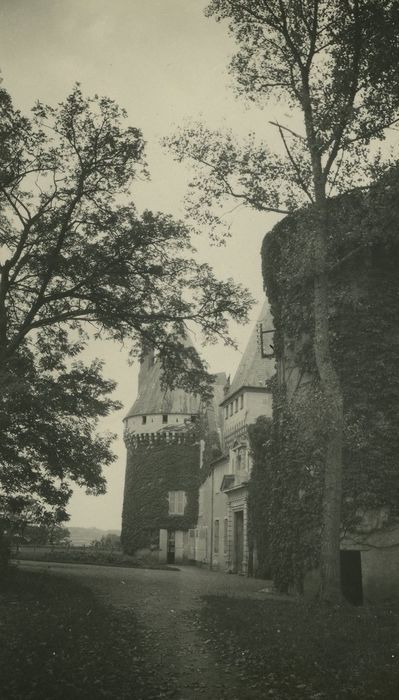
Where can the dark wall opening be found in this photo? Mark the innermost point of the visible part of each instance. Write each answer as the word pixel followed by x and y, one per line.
pixel 351 576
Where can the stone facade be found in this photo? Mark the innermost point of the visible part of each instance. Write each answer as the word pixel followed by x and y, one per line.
pixel 164 454
pixel 223 511
pixel 363 326
pixel 169 461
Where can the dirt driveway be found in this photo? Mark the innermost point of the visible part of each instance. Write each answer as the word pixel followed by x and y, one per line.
pixel 166 605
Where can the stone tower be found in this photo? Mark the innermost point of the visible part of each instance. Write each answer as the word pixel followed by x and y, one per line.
pixel 164 452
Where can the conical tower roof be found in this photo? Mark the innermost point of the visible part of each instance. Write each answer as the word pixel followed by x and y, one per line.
pixel 153 398
pixel 254 370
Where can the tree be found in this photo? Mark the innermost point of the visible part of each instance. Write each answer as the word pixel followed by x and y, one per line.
pixel 333 65
pixel 48 419
pixel 76 258
pixel 108 541
pixel 40 534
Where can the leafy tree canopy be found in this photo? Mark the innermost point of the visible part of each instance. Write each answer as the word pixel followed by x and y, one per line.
pixel 76 250
pixel 48 435
pixel 76 256
pixel 41 534
pixel 331 68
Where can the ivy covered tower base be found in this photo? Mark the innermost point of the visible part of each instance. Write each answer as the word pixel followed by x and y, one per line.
pixel 164 453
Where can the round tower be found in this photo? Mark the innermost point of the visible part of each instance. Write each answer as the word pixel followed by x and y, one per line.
pixel 162 471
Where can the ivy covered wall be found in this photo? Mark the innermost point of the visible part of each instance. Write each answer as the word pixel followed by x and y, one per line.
pixel 364 336
pixel 155 467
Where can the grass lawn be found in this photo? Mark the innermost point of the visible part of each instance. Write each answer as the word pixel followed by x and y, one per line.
pixel 87 555
pixel 57 641
pixel 290 650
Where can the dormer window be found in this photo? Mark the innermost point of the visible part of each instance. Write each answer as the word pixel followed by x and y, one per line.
pixel 235 405
pixel 144 419
pixel 164 418
pixel 242 401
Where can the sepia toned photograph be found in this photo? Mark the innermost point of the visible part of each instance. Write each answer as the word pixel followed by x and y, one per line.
pixel 199 349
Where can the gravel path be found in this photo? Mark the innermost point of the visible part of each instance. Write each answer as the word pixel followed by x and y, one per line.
pixel 166 605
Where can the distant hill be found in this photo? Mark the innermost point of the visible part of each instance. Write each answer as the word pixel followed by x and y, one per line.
pixel 86 535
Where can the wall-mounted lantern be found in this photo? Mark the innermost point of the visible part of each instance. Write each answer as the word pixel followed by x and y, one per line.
pixel 266 349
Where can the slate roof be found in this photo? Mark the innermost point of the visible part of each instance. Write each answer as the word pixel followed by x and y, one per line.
pixel 154 399
pixel 253 370
pixel 214 413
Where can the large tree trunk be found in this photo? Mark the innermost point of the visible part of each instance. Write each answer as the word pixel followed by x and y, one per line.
pixel 330 583
pixel 330 588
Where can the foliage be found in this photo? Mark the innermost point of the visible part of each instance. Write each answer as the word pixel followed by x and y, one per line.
pixel 283 648
pixel 207 433
pixel 41 534
pixel 153 469
pixel 363 258
pixel 331 65
pixel 86 555
pixel 78 257
pixel 5 552
pixel 109 541
pixel 285 493
pixel 259 496
pixel 211 451
pixel 48 439
pixel 78 251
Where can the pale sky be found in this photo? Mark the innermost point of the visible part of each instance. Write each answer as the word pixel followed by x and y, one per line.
pixel 164 62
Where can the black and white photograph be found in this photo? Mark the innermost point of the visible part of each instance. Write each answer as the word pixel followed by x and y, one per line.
pixel 199 349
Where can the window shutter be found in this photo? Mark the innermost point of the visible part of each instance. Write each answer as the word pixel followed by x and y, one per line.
pixel 180 503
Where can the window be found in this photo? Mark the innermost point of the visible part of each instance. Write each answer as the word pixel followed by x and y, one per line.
pixel 216 537
pixel 242 401
pixel 164 418
pixel 231 408
pixel 226 412
pixel 235 405
pixel 177 502
pixel 144 419
pixel 226 536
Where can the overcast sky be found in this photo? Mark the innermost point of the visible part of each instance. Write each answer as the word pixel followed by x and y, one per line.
pixel 164 62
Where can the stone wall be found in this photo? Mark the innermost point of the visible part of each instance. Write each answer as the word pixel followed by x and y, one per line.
pixel 363 259
pixel 155 466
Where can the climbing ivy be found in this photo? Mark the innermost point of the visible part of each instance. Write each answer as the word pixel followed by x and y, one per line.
pixel 364 337
pixel 285 492
pixel 153 469
pixel 259 501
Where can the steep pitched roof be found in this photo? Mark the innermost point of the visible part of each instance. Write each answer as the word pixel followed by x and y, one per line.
pixel 214 414
pixel 253 370
pixel 153 399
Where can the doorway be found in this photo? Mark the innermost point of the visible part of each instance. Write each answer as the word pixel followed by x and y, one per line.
pixel 171 547
pixel 351 576
pixel 238 540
